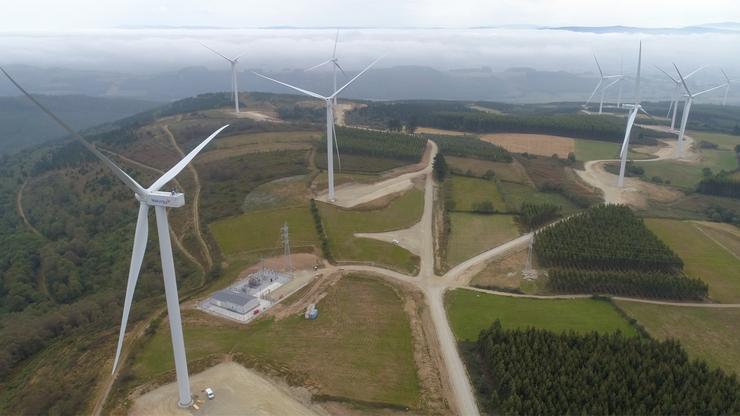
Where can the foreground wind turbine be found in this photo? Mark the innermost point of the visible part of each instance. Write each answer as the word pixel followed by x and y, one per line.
pixel 148 197
pixel 630 122
pixel 234 87
pixel 687 108
pixel 334 61
pixel 599 85
pixel 329 119
pixel 675 97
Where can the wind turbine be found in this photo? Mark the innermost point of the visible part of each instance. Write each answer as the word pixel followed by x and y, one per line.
pixel 687 108
pixel 727 87
pixel 160 200
pixel 630 122
pixel 675 96
pixel 329 119
pixel 334 61
pixel 602 78
pixel 234 87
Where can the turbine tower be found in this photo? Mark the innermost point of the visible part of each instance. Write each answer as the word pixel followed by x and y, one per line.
pixel 635 108
pixel 602 78
pixel 686 109
pixel 727 87
pixel 334 61
pixel 234 86
pixel 329 119
pixel 675 96
pixel 160 200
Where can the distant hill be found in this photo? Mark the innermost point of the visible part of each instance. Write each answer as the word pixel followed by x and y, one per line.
pixel 725 27
pixel 22 124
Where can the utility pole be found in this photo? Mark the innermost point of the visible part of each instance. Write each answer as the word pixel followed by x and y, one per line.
pixel 286 245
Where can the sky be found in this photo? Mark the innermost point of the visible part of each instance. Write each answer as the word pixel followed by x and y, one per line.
pixel 66 15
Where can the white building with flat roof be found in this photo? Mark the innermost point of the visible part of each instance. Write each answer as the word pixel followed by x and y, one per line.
pixel 235 301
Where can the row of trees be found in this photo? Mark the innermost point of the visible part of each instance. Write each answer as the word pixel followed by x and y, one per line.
pixel 533 216
pixel 605 237
pixel 378 144
pixel 533 371
pixel 470 147
pixel 316 215
pixel 627 283
pixel 720 185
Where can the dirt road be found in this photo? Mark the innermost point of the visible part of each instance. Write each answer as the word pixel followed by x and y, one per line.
pixel 22 212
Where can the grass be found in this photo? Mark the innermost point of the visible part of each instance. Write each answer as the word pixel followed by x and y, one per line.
pixel 515 194
pixel 470 312
pixel 724 141
pixel 260 230
pixel 708 334
pixel 359 348
pixel 360 163
pixel 687 175
pixel 702 257
pixel 472 234
pixel 341 224
pixel 467 192
pixel 599 150
pixel 511 172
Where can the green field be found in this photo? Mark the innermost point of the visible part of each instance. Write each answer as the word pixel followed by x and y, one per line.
pixel 359 348
pixel 341 224
pixel 702 257
pixel 515 194
pixel 472 234
pixel 260 230
pixel 686 175
pixel 599 150
pixel 724 141
pixel 511 172
pixel 470 312
pixel 359 163
pixel 467 192
pixel 708 334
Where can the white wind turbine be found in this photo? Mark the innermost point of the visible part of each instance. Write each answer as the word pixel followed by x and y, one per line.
pixel 334 61
pixel 686 109
pixel 675 97
pixel 234 86
pixel 634 109
pixel 148 197
pixel 602 78
pixel 329 119
pixel 727 86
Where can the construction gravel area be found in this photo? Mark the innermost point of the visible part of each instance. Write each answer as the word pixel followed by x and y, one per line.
pixel 238 391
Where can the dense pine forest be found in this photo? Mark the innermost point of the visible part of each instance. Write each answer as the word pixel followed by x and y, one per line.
pixel 608 249
pixel 720 185
pixel 362 142
pixel 532 371
pixel 470 147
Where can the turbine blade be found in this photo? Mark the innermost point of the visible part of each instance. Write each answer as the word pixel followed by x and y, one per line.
pixel 594 91
pixel 637 78
pixel 309 93
pixel 336 40
pixel 711 89
pixel 336 144
pixel 123 176
pixel 683 81
pixel 601 73
pixel 612 83
pixel 628 130
pixel 667 74
pixel 340 68
pixel 318 66
pixel 137 256
pixel 694 72
pixel 170 174
pixel 214 51
pixel 235 60
pixel 724 74
pixel 353 79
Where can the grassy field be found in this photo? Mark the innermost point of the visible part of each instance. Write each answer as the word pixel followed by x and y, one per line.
pixel 466 192
pixel 283 192
pixel 470 312
pixel 724 141
pixel 359 348
pixel 708 334
pixel 515 194
pixel 341 224
pixel 260 230
pixel 474 233
pixel 360 163
pixel 511 172
pixel 702 257
pixel 686 175
pixel 599 150
pixel 726 235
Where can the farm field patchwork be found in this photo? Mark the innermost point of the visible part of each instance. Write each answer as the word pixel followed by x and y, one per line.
pixel 515 194
pixel 708 334
pixel 686 175
pixel 470 312
pixel 467 192
pixel 362 330
pixel 341 224
pixel 472 234
pixel 510 172
pixel 702 257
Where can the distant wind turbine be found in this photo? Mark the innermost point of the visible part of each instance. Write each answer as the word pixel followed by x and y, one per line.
pixel 687 108
pixel 329 119
pixel 599 85
pixel 675 97
pixel 160 200
pixel 334 61
pixel 727 86
pixel 234 86
pixel 634 109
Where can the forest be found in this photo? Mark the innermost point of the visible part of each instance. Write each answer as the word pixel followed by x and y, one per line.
pixel 608 249
pixel 594 374
pixel 397 146
pixel 470 147
pixel 720 185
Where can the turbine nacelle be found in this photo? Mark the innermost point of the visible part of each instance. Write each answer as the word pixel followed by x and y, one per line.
pixel 162 199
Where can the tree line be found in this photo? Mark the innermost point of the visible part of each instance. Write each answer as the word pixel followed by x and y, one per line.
pixel 533 371
pixel 378 144
pixel 720 185
pixel 471 147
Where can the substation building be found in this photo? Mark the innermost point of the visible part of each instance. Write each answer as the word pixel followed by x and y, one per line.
pixel 238 302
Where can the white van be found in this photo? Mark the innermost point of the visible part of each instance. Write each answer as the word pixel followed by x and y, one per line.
pixel 209 393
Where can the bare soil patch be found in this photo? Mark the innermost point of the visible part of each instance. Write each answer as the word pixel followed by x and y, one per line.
pixel 536 144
